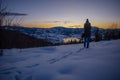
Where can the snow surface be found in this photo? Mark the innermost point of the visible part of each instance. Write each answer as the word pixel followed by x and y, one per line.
pixel 66 62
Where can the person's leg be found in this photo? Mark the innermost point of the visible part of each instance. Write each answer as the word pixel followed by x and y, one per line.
pixel 88 40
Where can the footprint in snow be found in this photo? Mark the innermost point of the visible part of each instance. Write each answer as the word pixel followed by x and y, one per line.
pixel 34 65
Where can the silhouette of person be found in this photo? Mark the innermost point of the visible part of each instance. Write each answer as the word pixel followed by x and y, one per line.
pixel 87 33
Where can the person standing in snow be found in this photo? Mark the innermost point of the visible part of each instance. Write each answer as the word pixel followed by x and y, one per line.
pixel 87 33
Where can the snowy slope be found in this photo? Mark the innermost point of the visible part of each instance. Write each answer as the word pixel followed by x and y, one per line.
pixel 67 62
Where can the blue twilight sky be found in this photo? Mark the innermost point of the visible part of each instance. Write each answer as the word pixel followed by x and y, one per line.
pixel 101 13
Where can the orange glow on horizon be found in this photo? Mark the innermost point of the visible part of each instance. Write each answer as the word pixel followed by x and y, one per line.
pixel 71 25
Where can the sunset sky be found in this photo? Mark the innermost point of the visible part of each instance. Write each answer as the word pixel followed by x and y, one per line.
pixel 67 13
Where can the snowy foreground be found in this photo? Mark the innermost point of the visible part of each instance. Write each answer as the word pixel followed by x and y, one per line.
pixel 67 62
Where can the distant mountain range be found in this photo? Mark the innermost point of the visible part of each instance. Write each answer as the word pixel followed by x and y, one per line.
pixel 54 35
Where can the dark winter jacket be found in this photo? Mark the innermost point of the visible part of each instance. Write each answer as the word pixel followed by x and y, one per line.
pixel 87 29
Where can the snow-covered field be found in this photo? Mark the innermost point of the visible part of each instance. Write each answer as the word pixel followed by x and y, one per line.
pixel 66 62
